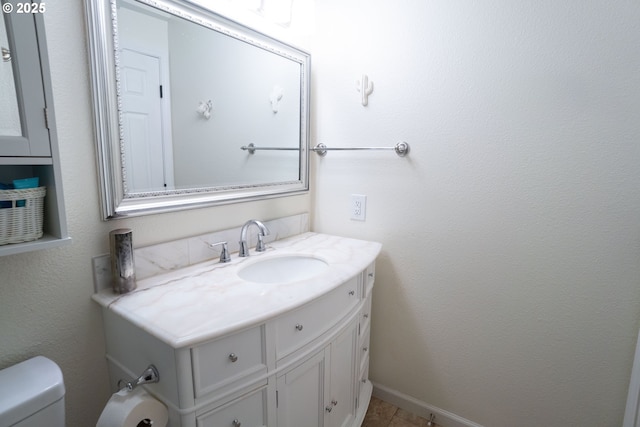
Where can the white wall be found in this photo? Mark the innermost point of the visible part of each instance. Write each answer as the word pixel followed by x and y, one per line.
pixel 45 296
pixel 508 290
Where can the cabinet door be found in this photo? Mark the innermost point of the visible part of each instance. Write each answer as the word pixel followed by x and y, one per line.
pixel 301 394
pixel 28 135
pixel 343 375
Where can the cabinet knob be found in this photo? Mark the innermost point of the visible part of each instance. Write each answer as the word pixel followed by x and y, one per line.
pixel 334 402
pixel 233 359
pixel 365 348
pixel 299 327
pixel 371 275
pixel 236 423
pixel 329 408
pixel 366 315
pixel 352 293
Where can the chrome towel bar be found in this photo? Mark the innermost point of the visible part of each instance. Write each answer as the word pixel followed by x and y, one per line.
pixel 401 149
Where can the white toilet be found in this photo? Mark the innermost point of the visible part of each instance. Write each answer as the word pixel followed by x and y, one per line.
pixel 32 394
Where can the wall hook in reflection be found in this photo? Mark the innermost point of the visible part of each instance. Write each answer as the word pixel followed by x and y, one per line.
pixel 365 87
pixel 204 109
pixel 275 98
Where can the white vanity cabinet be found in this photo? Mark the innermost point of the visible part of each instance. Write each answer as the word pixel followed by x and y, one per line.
pixel 297 367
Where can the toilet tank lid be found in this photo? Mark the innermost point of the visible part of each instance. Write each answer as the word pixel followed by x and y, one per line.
pixel 27 387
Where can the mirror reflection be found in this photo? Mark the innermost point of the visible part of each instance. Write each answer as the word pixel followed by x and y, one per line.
pixel 192 97
pixel 9 113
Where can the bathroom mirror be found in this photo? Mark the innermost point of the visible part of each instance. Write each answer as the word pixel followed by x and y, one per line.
pixel 193 109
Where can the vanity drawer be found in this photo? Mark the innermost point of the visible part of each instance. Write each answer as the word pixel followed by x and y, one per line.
pixel 299 327
pixel 369 279
pixel 363 348
pixel 230 360
pixel 365 314
pixel 249 410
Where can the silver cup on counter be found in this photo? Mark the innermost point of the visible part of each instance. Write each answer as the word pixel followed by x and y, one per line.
pixel 123 271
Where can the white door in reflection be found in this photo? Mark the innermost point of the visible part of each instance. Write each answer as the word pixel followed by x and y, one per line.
pixel 147 161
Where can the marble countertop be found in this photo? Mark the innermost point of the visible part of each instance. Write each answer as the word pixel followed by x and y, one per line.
pixel 204 301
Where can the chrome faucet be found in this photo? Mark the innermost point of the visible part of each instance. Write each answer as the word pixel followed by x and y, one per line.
pixel 262 231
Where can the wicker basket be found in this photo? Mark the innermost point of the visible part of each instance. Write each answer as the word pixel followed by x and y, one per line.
pixel 21 215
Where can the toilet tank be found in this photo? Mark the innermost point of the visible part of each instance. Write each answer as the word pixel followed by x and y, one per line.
pixel 32 394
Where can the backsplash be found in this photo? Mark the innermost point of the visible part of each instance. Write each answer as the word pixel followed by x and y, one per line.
pixel 164 257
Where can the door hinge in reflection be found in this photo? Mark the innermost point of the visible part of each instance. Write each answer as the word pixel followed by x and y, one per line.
pixel 276 398
pixel 160 91
pixel 46 117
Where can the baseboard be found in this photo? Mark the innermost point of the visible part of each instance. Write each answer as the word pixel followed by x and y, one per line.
pixel 415 406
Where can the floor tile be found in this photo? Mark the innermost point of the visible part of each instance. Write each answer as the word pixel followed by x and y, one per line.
pixel 412 419
pixel 384 414
pixel 379 413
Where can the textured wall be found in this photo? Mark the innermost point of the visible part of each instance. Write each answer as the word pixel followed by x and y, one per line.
pixel 45 296
pixel 507 292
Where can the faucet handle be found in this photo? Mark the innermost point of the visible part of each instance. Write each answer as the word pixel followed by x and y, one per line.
pixel 260 247
pixel 224 254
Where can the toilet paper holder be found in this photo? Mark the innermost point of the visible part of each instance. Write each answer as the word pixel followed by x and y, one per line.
pixel 149 376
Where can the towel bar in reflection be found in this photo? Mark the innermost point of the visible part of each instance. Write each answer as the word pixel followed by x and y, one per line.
pixel 251 148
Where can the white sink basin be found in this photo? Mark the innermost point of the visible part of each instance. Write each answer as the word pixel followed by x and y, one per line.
pixel 283 269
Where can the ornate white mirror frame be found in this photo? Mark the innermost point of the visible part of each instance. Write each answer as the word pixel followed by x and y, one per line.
pixel 117 201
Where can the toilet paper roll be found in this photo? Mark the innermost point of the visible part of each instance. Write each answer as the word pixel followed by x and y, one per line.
pixel 130 408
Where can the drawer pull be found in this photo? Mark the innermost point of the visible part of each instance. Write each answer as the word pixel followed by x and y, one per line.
pixel 299 327
pixel 233 358
pixel 366 315
pixel 334 402
pixel 352 293
pixel 371 275
pixel 365 348
pixel 236 423
pixel 329 408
